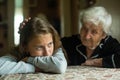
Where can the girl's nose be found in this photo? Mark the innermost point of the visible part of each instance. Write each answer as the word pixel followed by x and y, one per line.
pixel 46 51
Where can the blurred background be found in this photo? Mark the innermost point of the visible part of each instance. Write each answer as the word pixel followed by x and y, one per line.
pixel 62 14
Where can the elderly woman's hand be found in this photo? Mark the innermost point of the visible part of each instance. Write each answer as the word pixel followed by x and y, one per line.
pixel 93 62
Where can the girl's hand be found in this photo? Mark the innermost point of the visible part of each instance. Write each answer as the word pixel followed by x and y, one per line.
pixel 37 69
pixel 25 59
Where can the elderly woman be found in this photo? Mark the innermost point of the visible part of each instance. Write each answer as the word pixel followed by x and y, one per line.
pixel 93 46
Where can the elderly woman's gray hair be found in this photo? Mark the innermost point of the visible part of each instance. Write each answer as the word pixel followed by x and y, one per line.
pixel 97 15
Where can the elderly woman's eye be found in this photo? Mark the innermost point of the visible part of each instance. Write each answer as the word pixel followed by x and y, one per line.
pixel 94 32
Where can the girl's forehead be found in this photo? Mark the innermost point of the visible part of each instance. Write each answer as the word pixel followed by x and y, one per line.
pixel 44 35
pixel 41 39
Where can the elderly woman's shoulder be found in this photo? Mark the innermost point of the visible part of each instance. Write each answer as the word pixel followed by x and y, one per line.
pixel 111 39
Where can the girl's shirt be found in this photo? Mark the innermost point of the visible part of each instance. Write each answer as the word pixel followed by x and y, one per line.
pixel 9 65
pixel 56 64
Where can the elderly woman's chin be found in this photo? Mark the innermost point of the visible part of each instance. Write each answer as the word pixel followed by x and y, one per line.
pixel 89 45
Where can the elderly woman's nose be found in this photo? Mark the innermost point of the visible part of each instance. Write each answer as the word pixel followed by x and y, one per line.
pixel 88 35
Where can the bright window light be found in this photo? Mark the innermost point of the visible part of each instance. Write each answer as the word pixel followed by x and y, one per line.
pixel 17 19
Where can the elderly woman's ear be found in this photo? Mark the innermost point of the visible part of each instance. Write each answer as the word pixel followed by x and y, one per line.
pixel 104 35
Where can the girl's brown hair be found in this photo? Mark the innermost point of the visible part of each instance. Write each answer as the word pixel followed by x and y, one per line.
pixel 34 27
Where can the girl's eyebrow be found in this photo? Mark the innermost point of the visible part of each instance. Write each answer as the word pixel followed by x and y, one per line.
pixel 37 45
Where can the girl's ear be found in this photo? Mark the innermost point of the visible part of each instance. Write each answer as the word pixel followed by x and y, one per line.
pixel 24 47
pixel 26 51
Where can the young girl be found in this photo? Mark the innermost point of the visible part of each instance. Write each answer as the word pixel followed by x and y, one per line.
pixel 40 49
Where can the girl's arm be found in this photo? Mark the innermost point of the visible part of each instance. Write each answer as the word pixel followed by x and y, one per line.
pixel 9 65
pixel 56 63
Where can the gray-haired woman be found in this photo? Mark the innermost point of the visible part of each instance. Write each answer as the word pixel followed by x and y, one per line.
pixel 93 46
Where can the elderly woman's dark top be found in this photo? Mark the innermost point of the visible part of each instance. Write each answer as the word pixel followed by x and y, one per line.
pixel 108 49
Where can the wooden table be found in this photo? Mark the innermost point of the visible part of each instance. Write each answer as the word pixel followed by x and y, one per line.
pixel 72 73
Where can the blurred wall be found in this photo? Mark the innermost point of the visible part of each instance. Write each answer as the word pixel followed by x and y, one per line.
pixel 113 7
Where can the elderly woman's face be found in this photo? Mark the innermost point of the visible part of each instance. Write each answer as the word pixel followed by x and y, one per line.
pixel 91 35
pixel 41 45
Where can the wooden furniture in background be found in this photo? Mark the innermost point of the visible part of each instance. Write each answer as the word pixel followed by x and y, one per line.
pixel 3 27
